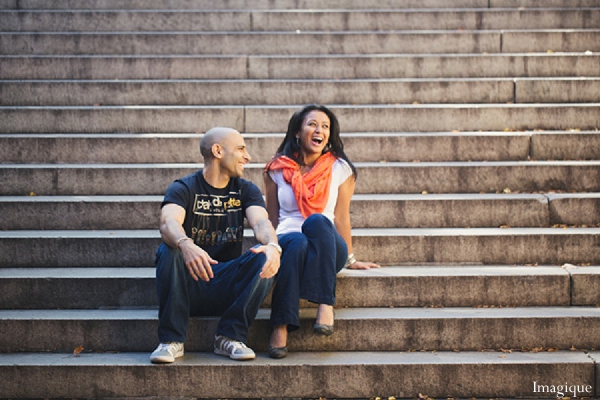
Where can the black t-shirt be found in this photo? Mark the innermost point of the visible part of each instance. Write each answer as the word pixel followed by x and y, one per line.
pixel 214 218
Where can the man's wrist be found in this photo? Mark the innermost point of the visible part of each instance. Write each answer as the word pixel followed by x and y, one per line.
pixel 181 240
pixel 277 247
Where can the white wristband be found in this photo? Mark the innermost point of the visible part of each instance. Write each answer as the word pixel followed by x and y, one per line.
pixel 278 247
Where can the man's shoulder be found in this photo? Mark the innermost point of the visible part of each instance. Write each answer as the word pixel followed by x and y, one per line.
pixel 191 178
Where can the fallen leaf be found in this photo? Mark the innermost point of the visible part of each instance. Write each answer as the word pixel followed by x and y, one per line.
pixel 77 351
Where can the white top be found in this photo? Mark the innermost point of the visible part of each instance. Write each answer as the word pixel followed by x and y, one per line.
pixel 290 218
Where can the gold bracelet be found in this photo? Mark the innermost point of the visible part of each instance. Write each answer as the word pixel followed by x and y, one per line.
pixel 181 240
pixel 351 260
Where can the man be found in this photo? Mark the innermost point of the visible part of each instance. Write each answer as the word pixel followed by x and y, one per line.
pixel 200 269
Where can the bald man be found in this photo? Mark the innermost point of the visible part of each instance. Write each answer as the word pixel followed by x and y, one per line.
pixel 200 269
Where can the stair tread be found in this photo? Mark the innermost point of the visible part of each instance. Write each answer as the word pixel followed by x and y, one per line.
pixel 387 271
pixel 304 358
pixel 354 313
pixel 154 233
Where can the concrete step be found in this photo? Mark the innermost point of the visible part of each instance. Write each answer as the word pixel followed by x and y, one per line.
pixel 489 286
pixel 270 92
pixel 272 119
pixel 357 329
pixel 315 374
pixel 287 4
pixel 276 92
pixel 373 177
pixel 357 66
pixel 183 148
pixel 302 20
pixel 235 4
pixel 389 246
pixel 367 211
pixel 360 147
pixel 291 42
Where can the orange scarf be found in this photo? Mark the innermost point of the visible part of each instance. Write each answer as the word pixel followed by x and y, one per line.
pixel 310 189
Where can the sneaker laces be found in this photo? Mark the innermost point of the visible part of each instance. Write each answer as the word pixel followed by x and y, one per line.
pixel 171 348
pixel 232 345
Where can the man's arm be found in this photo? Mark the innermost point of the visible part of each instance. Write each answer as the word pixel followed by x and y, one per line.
pixel 258 220
pixel 197 261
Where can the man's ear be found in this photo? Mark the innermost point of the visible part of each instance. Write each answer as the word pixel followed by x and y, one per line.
pixel 217 150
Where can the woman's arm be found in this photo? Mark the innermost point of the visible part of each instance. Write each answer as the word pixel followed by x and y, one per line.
pixel 342 220
pixel 271 200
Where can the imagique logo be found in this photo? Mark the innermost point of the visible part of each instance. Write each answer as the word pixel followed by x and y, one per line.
pixel 563 390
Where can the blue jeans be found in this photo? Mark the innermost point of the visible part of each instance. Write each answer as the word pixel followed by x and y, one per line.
pixel 310 262
pixel 235 293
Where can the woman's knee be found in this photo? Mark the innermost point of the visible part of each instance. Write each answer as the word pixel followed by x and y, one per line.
pixel 317 224
pixel 295 241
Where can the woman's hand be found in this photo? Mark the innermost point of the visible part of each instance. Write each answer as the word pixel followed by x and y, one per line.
pixel 362 265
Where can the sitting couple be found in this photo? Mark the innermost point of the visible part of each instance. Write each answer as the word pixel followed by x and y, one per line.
pixel 200 268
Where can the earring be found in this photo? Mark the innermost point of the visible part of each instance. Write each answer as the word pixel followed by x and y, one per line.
pixel 297 142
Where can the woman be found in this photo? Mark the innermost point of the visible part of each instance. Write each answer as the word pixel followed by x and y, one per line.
pixel 308 186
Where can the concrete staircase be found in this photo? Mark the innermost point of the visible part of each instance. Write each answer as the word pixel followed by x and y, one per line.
pixel 474 128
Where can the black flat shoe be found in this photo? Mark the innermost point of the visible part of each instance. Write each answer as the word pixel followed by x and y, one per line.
pixel 278 352
pixel 323 329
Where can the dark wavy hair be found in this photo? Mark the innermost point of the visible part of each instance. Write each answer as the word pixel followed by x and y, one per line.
pixel 289 146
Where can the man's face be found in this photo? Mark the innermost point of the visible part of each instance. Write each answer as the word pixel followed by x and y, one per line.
pixel 234 155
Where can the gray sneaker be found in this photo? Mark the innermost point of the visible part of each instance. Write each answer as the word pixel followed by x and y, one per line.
pixel 167 352
pixel 233 349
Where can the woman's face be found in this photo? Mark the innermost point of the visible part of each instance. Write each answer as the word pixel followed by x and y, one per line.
pixel 314 133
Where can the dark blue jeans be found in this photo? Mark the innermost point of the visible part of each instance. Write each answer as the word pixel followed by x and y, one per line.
pixel 310 262
pixel 235 293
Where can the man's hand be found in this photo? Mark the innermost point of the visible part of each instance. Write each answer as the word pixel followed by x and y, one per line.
pixel 273 258
pixel 197 261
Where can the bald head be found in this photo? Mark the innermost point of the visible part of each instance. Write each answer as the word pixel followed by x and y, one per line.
pixel 214 136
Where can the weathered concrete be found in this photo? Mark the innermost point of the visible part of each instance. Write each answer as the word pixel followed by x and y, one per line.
pixel 551 41
pixel 290 4
pixel 273 119
pixel 334 375
pixel 489 286
pixel 303 20
pixel 221 43
pixel 124 67
pixel 566 90
pixel 574 145
pixel 424 66
pixel 575 209
pixel 242 4
pixel 184 148
pixel 430 118
pixel 586 285
pixel 373 178
pixel 357 329
pixel 544 3
pixel 443 290
pixel 386 246
pixel 480 245
pixel 367 211
pixel 383 66
pixel 251 92
pixel 120 119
